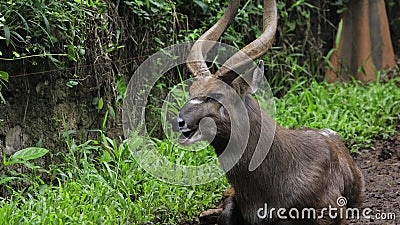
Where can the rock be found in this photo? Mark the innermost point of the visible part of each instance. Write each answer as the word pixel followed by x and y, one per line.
pixel 15 140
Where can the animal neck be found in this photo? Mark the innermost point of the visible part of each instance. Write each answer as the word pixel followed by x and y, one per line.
pixel 239 145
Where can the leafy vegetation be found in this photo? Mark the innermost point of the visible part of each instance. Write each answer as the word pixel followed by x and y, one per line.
pixel 101 183
pixel 22 157
pixel 3 78
pixel 35 28
pixel 359 113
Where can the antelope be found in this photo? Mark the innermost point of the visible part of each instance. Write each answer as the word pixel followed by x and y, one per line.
pixel 271 165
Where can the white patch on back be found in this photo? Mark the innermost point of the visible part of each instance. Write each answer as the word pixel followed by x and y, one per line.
pixel 328 132
pixel 195 101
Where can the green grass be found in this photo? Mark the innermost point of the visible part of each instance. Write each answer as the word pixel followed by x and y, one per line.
pixel 104 185
pixel 101 183
pixel 359 113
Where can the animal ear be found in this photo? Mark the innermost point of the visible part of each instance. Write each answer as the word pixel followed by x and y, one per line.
pixel 248 84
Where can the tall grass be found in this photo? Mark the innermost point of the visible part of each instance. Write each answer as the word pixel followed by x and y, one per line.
pixel 358 112
pixel 101 183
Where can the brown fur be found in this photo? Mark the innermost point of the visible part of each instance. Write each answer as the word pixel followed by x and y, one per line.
pixel 304 168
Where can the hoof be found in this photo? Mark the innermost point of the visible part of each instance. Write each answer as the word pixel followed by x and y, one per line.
pixel 210 216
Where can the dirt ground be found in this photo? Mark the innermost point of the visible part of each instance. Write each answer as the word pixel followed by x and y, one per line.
pixel 381 169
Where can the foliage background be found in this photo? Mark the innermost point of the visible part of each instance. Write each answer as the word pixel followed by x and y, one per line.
pixel 68 62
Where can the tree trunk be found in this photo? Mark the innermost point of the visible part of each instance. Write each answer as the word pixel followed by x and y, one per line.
pixel 365 45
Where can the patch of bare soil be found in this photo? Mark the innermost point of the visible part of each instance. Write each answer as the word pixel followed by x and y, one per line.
pixel 381 169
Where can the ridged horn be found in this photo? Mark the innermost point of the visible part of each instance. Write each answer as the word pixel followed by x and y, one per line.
pixel 195 61
pixel 259 46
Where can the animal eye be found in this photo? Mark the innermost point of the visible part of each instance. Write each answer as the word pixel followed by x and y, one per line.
pixel 214 97
pixel 210 99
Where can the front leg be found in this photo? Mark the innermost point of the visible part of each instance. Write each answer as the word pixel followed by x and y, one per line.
pixel 224 213
pixel 230 215
pixel 210 216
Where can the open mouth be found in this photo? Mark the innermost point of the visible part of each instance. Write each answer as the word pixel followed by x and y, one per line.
pixel 189 136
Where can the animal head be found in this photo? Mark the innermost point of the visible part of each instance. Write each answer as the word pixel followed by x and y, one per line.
pixel 216 99
pixel 215 102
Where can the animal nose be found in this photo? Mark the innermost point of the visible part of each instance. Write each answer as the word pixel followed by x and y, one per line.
pixel 181 123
